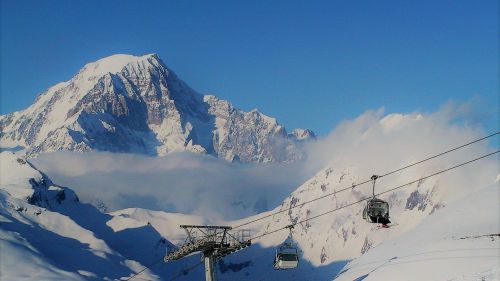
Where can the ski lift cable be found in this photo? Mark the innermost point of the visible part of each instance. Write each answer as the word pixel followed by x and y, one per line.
pixel 144 269
pixel 367 181
pixel 156 262
pixel 186 270
pixel 384 192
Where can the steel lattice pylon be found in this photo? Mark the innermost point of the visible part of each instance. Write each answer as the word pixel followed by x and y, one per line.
pixel 213 241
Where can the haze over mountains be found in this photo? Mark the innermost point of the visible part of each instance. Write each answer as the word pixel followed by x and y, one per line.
pixel 132 104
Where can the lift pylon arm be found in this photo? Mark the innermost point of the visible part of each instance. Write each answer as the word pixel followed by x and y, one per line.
pixel 213 241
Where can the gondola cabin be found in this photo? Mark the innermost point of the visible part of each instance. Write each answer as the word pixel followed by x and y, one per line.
pixel 287 257
pixel 376 211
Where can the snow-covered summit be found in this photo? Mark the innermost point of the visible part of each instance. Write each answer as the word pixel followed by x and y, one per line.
pixel 114 64
pixel 135 104
pixel 303 134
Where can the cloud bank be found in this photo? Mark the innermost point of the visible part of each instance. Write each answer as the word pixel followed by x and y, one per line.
pixel 377 143
pixel 179 182
pixel 374 142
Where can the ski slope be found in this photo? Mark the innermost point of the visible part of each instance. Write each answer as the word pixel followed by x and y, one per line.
pixel 460 242
pixel 47 234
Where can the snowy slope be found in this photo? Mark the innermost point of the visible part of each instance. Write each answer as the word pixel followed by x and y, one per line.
pixel 437 246
pixel 125 103
pixel 326 243
pixel 69 240
pixel 344 234
pixel 460 242
pixel 167 224
pixel 47 234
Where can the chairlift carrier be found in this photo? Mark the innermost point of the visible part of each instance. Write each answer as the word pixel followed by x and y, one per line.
pixel 287 254
pixel 376 210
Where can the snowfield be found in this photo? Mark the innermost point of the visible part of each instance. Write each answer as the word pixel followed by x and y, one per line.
pixel 47 234
pixel 460 242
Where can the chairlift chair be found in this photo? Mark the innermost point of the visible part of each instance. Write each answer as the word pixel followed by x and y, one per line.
pixel 376 210
pixel 287 254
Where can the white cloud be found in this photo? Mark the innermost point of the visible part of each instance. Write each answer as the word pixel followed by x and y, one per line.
pixel 376 143
pixel 190 183
pixel 180 182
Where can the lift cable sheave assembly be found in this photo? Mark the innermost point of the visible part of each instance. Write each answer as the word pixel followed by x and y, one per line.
pixel 213 241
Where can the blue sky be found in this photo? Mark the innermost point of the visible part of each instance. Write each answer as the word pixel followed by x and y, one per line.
pixel 308 63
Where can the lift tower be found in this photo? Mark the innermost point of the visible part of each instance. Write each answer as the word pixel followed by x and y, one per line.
pixel 213 241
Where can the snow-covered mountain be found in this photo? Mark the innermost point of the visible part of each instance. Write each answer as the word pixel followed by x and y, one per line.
pixel 126 103
pixel 47 234
pixel 459 242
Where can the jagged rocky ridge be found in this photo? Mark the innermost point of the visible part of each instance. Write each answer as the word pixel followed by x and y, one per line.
pixel 132 104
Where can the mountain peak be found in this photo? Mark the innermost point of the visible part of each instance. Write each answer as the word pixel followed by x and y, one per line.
pixel 114 64
pixel 134 104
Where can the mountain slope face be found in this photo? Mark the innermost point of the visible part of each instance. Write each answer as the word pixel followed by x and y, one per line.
pixel 47 234
pixel 460 242
pixel 131 104
pixel 343 234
